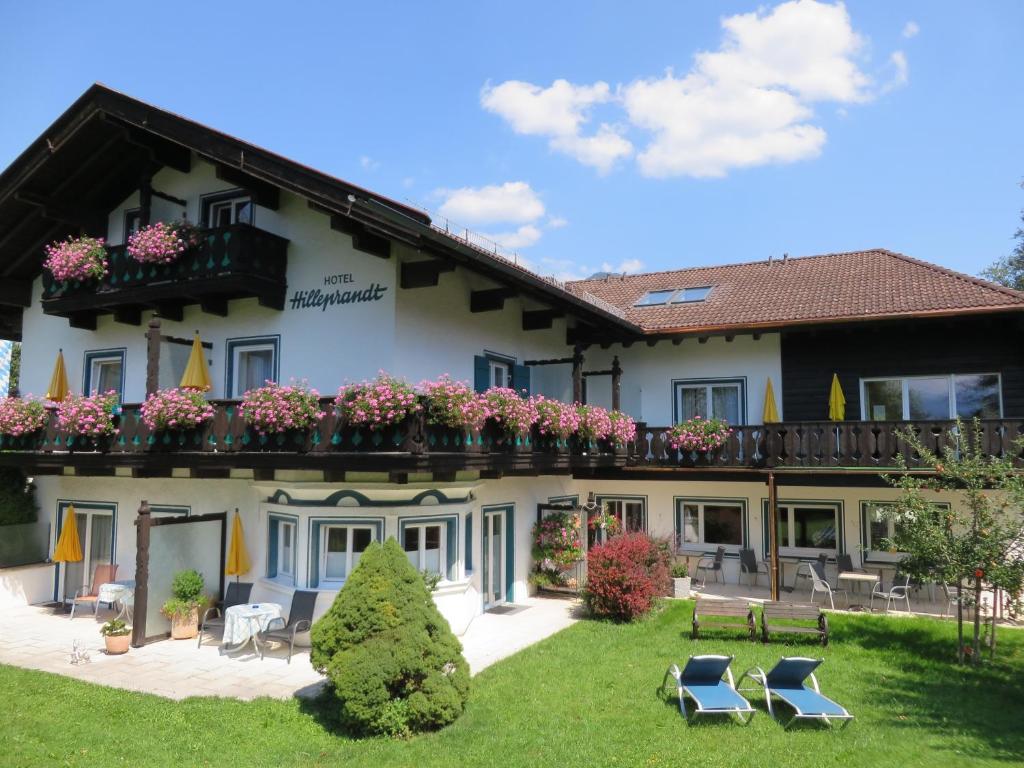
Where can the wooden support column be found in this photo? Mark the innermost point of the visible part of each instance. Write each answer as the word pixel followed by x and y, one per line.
pixel 616 384
pixel 577 374
pixel 771 520
pixel 153 338
pixel 142 524
pixel 145 200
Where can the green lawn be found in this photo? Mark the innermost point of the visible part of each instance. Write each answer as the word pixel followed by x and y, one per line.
pixel 585 697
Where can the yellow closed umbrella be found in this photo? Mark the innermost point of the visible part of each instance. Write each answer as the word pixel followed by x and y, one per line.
pixel 836 401
pixel 238 557
pixel 197 374
pixel 69 548
pixel 58 388
pixel 771 412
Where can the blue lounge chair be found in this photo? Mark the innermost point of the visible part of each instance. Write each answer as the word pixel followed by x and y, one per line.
pixel 702 680
pixel 786 681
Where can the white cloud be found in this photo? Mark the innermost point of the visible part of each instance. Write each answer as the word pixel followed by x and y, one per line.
pixel 557 222
pixel 910 29
pixel 408 182
pixel 568 270
pixel 629 266
pixel 512 202
pixel 368 163
pixel 748 103
pixel 559 112
pixel 522 237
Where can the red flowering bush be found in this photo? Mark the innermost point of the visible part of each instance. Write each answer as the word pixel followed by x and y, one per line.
pixel 626 575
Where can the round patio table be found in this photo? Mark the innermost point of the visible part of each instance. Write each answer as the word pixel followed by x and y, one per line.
pixel 858 578
pixel 243 623
pixel 120 592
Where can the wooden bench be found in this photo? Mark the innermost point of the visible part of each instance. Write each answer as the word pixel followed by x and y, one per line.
pixel 723 609
pixel 773 612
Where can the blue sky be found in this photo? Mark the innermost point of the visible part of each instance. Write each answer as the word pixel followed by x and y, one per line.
pixel 680 134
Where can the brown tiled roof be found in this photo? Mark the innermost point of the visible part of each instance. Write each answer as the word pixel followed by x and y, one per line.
pixel 835 287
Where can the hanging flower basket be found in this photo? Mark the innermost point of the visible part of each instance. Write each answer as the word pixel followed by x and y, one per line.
pixel 377 404
pixel 77 258
pixel 275 410
pixel 20 417
pixel 162 243
pixel 699 436
pixel 556 423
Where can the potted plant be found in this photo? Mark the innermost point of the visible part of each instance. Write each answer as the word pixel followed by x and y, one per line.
pixel 680 581
pixel 699 436
pixel 21 417
pixel 375 415
pixel 77 258
pixel 556 422
pixel 116 636
pixel 595 424
pixel 623 432
pixel 162 243
pixel 508 419
pixel 92 418
pixel 176 410
pixel 455 414
pixel 183 606
pixel 274 409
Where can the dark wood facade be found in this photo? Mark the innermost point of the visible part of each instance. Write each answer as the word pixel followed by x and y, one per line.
pixel 991 344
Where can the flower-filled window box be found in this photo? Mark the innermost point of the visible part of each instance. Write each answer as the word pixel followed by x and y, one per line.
pixel 76 259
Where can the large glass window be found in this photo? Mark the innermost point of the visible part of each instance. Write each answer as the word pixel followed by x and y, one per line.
pixel 286 551
pixel 932 398
pixel 710 399
pixel 104 371
pixel 251 363
pixel 425 547
pixel 227 208
pixel 805 526
pixel 341 547
pixel 710 522
pixel 631 513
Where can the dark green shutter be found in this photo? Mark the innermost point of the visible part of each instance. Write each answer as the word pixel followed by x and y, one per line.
pixel 510 552
pixel 469 542
pixel 481 373
pixel 521 378
pixel 452 527
pixel 272 549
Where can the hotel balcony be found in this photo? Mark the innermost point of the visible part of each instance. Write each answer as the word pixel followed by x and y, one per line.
pixel 233 262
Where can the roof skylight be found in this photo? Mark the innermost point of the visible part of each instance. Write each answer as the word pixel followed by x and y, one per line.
pixel 654 298
pixel 674 296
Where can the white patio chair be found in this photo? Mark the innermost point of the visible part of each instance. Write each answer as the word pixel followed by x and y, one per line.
pixel 894 594
pixel 820 584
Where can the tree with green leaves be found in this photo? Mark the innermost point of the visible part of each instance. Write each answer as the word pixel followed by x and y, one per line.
pixel 974 542
pixel 394 665
pixel 1009 270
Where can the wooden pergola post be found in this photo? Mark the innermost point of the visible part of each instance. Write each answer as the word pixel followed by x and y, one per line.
pixel 142 524
pixel 616 384
pixel 772 522
pixel 153 339
pixel 577 374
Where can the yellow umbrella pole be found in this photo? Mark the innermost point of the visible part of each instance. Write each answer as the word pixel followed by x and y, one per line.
pixel 771 411
pixel 197 374
pixel 238 556
pixel 58 388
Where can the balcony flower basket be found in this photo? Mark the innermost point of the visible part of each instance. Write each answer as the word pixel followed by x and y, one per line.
pixel 508 420
pixel 455 414
pixel 162 243
pixel 20 419
pixel 273 411
pixel 557 422
pixel 377 415
pixel 76 259
pixel 595 425
pixel 175 411
pixel 89 421
pixel 698 438
pixel 623 433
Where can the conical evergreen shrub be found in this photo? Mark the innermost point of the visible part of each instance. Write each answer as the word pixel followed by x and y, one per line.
pixel 394 665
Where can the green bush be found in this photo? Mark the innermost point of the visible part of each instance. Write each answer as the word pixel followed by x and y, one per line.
pixel 394 665
pixel 17 497
pixel 186 594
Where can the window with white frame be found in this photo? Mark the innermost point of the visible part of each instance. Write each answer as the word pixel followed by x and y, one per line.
pixel 341 547
pixel 808 526
pixel 712 521
pixel 286 551
pixel 104 371
pixel 424 544
pixel 500 373
pixel 932 397
pixel 227 208
pixel 710 399
pixel 631 513
pixel 251 363
pixel 878 524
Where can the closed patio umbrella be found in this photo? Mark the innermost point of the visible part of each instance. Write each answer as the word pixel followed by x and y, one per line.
pixel 69 548
pixel 58 388
pixel 238 557
pixel 836 401
pixel 197 374
pixel 771 412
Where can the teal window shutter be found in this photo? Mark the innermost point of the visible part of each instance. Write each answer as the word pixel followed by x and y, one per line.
pixel 469 542
pixel 510 552
pixel 521 378
pixel 481 373
pixel 272 548
pixel 453 548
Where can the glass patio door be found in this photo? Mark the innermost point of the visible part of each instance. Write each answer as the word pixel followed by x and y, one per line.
pixel 96 535
pixel 493 559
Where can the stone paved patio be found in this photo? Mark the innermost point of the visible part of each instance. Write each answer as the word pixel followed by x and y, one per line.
pixel 36 638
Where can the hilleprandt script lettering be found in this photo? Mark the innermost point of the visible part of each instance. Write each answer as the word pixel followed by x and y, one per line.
pixel 314 298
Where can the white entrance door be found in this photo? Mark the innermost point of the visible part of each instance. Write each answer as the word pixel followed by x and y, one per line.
pixel 96 535
pixel 494 558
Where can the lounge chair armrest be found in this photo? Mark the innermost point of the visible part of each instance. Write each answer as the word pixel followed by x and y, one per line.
pixel 82 591
pixel 754 673
pixel 270 624
pixel 206 614
pixel 303 625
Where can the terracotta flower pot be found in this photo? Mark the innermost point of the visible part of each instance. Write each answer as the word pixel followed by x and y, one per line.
pixel 116 644
pixel 185 626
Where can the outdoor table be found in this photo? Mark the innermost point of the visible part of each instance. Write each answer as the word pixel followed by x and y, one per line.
pixel 121 592
pixel 859 577
pixel 243 623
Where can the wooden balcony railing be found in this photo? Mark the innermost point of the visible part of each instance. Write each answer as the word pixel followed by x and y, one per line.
pixel 237 261
pixel 227 440
pixel 824 444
